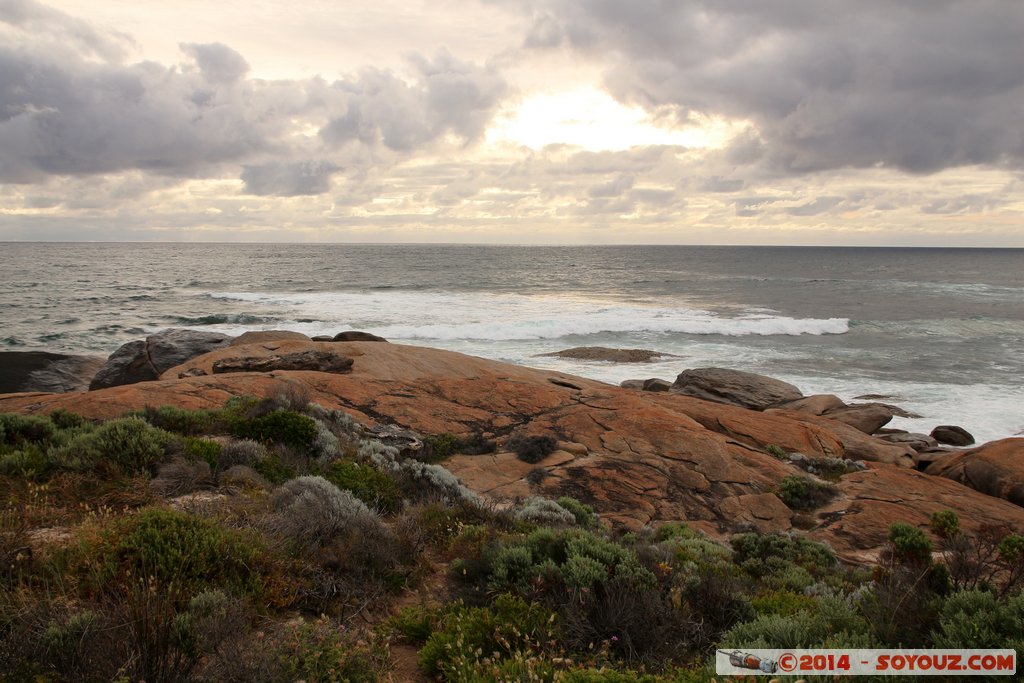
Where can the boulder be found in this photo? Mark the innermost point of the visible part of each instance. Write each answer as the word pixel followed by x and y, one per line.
pixel 919 442
pixel 143 361
pixel 655 384
pixel 815 405
pixel 323 338
pixel 603 353
pixel 356 335
pixel 866 417
pixel 46 372
pixel 951 435
pixel 257 336
pixel 744 389
pixel 314 360
pixel 637 384
pixel 996 468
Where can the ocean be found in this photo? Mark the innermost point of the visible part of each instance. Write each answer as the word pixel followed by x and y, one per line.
pixel 939 331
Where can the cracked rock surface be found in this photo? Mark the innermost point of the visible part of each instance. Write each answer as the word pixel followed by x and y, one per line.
pixel 637 457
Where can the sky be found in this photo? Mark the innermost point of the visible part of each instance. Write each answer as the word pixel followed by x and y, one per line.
pixel 875 122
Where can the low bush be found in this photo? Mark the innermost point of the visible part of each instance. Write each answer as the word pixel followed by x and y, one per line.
pixel 129 444
pixel 544 512
pixel 476 444
pixel 171 547
pixel 319 652
pixel 17 430
pixel 975 618
pixel 762 555
pixel 532 449
pixel 242 452
pixel 204 449
pixel 180 420
pixel 311 512
pixel 466 636
pixel 584 514
pixel 179 478
pixel 375 488
pixel 414 623
pixel 283 427
pixel 440 446
pixel 803 493
pixel 273 469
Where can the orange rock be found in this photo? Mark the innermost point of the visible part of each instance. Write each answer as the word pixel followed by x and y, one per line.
pixel 997 468
pixel 637 457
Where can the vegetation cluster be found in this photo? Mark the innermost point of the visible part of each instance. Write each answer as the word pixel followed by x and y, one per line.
pixel 275 540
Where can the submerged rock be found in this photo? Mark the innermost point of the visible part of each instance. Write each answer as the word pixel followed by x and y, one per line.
pixel 744 389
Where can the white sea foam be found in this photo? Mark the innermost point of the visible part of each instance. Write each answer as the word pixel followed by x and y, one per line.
pixel 475 316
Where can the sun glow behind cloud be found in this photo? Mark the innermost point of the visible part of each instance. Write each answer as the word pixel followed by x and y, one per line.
pixel 593 120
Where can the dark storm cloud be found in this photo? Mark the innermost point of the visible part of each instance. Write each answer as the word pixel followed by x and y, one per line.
pixel 918 85
pixel 70 105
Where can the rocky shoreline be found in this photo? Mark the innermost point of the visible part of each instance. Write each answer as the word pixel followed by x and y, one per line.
pixel 712 448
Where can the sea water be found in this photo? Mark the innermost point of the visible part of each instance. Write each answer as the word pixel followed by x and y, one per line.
pixel 938 331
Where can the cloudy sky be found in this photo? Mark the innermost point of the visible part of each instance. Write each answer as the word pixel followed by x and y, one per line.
pixel 875 122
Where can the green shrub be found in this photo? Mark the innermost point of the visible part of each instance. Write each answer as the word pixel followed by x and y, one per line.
pixel 834 623
pixel 776 452
pixel 782 602
pixel 548 559
pixel 179 420
pixel 945 523
pixel 273 470
pixel 283 426
pixel 205 450
pixel 754 553
pixel 476 444
pixel 803 493
pixel 171 547
pixel 909 544
pixel 65 419
pixel 17 430
pixel 414 623
pixel 366 483
pixel 319 652
pixel 607 676
pixel 584 514
pixel 29 461
pixel 973 619
pixel 441 446
pixel 672 531
pixel 532 449
pixel 130 444
pixel 474 633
